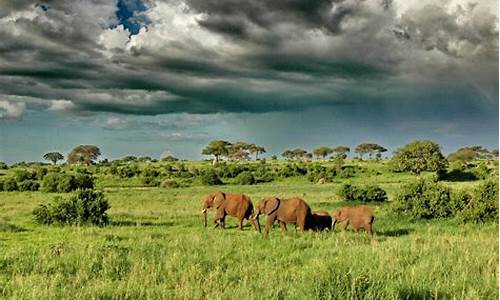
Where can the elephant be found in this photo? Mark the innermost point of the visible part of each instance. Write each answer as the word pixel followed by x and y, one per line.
pixel 320 220
pixel 358 217
pixel 293 210
pixel 236 205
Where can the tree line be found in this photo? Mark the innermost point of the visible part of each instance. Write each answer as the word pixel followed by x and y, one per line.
pixel 221 149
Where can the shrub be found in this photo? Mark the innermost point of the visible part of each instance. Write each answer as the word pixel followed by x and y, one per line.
pixel 10 184
pixel 481 171
pixel 150 181
pixel 291 170
pixel 65 183
pixel 84 181
pixel 22 175
pixel 245 178
pixel 169 184
pixel 210 178
pixel 369 193
pixel 483 205
pixel 423 199
pixel 3 166
pixel 28 186
pixel 85 207
pixel 266 177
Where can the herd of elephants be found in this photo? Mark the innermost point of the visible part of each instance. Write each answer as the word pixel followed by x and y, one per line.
pixel 285 211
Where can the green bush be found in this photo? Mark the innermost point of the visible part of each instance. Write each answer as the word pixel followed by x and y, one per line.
pixel 22 175
pixel 84 181
pixel 3 166
pixel 169 184
pixel 28 186
pixel 481 171
pixel 65 183
pixel 210 177
pixel 85 207
pixel 482 206
pixel 424 199
pixel 368 193
pixel 245 178
pixel 150 181
pixel 10 184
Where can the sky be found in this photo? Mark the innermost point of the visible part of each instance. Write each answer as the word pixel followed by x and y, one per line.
pixel 165 77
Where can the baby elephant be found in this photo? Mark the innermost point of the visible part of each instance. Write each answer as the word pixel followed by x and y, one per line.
pixel 320 220
pixel 358 217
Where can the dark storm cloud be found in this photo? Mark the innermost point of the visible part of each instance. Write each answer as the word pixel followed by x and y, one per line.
pixel 235 56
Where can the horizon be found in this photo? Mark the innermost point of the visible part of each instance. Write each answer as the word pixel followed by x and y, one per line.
pixel 152 78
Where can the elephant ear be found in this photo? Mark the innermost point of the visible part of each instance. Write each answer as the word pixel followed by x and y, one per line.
pixel 271 205
pixel 219 198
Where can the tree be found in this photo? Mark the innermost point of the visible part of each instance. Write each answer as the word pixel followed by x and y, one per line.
pixel 84 154
pixel 341 151
pixel 238 151
pixel 295 153
pixel 362 149
pixel 463 155
pixel 419 156
pixel 288 154
pixel 217 148
pixel 53 157
pixel 322 152
pixel 370 149
pixel 256 149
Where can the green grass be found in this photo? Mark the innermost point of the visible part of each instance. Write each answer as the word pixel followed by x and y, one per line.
pixel 157 248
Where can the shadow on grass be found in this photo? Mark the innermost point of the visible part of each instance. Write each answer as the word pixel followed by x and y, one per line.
pixel 394 233
pixel 420 294
pixel 7 227
pixel 138 223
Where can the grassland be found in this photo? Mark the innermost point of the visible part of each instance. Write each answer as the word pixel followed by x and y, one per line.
pixel 157 248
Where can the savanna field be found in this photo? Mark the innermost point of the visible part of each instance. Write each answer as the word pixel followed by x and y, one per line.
pixel 155 245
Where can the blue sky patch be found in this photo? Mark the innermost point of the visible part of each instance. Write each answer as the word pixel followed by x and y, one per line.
pixel 129 15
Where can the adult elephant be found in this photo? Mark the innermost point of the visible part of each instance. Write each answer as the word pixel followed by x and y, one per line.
pixel 294 210
pixel 235 205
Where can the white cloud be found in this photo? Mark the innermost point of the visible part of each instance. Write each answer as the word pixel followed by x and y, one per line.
pixel 11 110
pixel 61 105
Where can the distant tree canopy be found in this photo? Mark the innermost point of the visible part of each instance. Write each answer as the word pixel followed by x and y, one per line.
pixel 466 155
pixel 233 151
pixel 84 154
pixel 370 149
pixel 53 157
pixel 322 152
pixel 217 148
pixel 296 153
pixel 256 149
pixel 419 156
pixel 341 151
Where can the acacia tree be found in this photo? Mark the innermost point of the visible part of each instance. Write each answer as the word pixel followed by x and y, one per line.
pixel 288 154
pixel 256 149
pixel 341 151
pixel 53 157
pixel 84 154
pixel 370 149
pixel 322 152
pixel 419 156
pixel 217 148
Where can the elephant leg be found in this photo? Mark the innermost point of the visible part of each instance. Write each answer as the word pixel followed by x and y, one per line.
pixel 283 227
pixel 369 229
pixel 240 223
pixel 269 223
pixel 345 224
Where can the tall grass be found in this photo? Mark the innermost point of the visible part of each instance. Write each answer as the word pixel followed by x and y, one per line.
pixel 157 248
